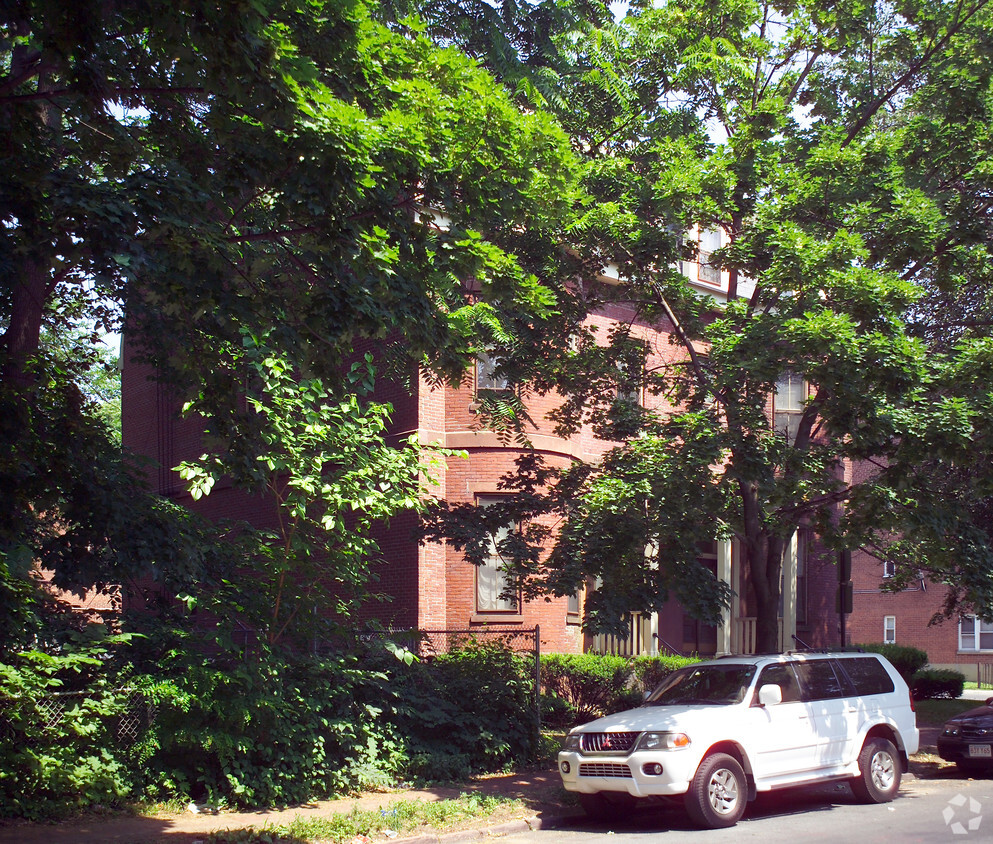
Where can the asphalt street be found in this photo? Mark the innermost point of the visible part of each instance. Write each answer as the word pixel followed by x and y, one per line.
pixel 926 812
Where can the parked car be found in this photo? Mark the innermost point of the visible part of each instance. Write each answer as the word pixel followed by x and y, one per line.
pixel 716 733
pixel 967 739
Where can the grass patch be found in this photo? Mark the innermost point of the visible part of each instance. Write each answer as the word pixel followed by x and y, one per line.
pixel 405 816
pixel 934 713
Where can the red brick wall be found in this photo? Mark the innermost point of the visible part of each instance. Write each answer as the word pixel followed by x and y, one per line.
pixel 914 610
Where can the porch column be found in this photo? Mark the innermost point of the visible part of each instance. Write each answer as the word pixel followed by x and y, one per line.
pixel 724 631
pixel 789 594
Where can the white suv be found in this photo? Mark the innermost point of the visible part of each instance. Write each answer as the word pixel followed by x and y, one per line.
pixel 718 732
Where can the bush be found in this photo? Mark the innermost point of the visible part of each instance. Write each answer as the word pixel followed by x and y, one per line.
pixel 266 729
pixel 52 766
pixel 937 682
pixel 269 731
pixel 468 711
pixel 907 661
pixel 557 711
pixel 652 670
pixel 590 684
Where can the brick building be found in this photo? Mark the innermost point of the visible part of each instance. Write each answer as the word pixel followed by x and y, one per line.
pixel 904 618
pixel 433 587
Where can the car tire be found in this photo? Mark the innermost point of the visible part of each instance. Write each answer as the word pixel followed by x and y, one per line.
pixel 879 772
pixel 605 807
pixel 717 795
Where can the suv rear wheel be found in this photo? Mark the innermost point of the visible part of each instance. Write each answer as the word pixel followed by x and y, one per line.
pixel 716 797
pixel 879 772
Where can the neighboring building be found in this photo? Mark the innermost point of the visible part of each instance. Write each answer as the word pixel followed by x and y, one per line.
pixel 433 587
pixel 962 643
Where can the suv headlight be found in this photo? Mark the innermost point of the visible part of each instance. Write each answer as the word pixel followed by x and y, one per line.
pixel 951 730
pixel 663 741
pixel 572 742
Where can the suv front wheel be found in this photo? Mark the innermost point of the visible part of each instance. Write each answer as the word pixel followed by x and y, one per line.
pixel 879 772
pixel 716 797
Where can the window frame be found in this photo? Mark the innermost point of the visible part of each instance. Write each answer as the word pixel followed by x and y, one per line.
pixel 574 607
pixel 790 407
pixel 889 629
pixel 980 629
pixel 708 242
pixel 500 608
pixel 484 380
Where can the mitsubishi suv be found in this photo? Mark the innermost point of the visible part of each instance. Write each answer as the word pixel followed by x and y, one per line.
pixel 716 733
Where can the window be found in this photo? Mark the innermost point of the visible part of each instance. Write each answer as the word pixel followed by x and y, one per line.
pixel 975 634
pixel 788 405
pixel 868 675
pixel 889 630
pixel 487 376
pixel 889 568
pixel 782 676
pixel 710 241
pixel 628 383
pixel 819 680
pixel 574 606
pixel 491 580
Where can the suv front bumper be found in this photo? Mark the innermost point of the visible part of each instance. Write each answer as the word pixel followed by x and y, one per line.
pixel 632 774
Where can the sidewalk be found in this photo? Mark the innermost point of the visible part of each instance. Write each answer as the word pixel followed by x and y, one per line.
pixel 539 790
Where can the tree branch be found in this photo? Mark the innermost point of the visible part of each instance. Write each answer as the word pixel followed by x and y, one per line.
pixel 912 71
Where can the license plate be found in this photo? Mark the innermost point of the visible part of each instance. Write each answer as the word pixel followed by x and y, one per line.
pixel 980 751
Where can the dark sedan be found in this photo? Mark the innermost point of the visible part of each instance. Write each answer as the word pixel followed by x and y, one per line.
pixel 967 739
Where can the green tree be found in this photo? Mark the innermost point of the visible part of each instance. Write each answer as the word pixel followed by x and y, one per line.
pixel 843 151
pixel 277 168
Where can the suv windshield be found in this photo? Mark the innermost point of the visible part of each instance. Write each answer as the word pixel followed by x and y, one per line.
pixel 706 684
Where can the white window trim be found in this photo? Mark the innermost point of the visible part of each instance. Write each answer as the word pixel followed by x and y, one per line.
pixel 979 629
pixel 788 405
pixel 889 630
pixel 486 380
pixel 502 607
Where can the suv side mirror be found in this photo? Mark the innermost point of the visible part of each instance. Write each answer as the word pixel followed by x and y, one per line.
pixel 770 694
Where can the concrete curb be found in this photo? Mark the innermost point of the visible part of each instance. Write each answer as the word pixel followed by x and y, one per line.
pixel 508 828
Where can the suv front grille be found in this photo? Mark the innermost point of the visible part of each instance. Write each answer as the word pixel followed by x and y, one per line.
pixel 609 742
pixel 604 769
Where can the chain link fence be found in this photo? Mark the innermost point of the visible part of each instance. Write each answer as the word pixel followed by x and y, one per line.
pixel 138 712
pixel 51 710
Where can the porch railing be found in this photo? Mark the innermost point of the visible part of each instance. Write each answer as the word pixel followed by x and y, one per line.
pixel 744 636
pixel 639 640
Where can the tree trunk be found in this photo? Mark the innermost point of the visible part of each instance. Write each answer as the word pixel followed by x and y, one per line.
pixel 766 573
pixel 20 340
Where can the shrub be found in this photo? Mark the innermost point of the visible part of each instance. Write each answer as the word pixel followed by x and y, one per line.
pixel 272 730
pixel 57 745
pixel 556 711
pixel 937 682
pixel 267 729
pixel 652 670
pixel 905 659
pixel 467 711
pixel 591 684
